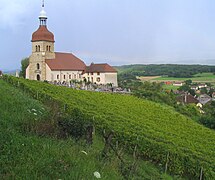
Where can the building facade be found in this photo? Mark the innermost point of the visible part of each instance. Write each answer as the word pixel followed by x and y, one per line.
pixel 46 64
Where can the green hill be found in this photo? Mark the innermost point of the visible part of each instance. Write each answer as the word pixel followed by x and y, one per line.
pixel 29 151
pixel 162 135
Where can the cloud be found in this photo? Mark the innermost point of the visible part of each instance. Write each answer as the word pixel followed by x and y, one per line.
pixel 14 12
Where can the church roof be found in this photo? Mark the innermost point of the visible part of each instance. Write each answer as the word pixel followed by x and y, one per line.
pixel 42 34
pixel 100 68
pixel 65 61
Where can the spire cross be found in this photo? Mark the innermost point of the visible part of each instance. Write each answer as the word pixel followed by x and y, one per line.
pixel 43 3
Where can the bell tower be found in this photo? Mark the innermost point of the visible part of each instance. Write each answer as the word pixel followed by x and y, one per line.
pixel 42 49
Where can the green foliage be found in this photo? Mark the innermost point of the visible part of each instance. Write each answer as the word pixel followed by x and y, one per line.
pixel 24 65
pixel 158 130
pixel 74 124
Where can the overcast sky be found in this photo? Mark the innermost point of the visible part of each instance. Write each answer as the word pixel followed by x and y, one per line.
pixel 113 31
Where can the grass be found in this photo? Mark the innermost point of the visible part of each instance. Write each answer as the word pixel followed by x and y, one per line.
pixel 158 130
pixel 201 77
pixel 27 155
pixel 170 87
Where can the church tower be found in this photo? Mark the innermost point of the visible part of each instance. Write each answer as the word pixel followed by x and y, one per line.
pixel 42 49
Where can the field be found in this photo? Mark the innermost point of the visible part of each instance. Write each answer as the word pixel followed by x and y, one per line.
pixel 162 135
pixel 198 78
pixel 203 77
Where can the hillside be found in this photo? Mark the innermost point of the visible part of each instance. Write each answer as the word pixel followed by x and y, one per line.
pixel 30 150
pixel 162 135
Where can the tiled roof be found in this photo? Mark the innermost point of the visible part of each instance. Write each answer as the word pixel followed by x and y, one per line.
pixel 187 99
pixel 65 61
pixel 42 34
pixel 100 68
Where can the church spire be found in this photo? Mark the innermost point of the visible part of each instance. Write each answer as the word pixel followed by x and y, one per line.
pixel 43 17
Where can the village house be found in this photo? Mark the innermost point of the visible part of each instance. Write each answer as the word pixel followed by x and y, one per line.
pixel 202 86
pixel 213 96
pixel 204 99
pixel 187 99
pixel 47 65
pixel 177 84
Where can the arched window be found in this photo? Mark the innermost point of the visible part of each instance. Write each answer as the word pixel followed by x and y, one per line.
pixel 47 48
pixel 38 66
pixel 39 48
pixel 70 76
pixel 64 76
pixel 38 77
pixel 58 76
pixel 36 49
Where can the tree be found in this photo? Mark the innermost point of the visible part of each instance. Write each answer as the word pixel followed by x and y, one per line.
pixel 24 65
pixel 188 82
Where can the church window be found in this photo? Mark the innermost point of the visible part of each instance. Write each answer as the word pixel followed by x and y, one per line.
pixel 47 48
pixel 58 76
pixel 38 66
pixel 39 48
pixel 36 49
pixel 64 76
pixel 70 76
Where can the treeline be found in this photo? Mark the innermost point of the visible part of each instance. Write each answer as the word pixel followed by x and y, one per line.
pixel 170 70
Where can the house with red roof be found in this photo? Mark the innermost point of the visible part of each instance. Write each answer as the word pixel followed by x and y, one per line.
pixel 46 64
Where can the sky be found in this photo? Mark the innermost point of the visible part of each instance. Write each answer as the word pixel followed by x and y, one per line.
pixel 114 31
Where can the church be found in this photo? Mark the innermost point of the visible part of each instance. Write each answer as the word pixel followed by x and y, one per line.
pixel 47 65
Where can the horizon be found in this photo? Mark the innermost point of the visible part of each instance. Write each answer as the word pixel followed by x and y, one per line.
pixel 118 33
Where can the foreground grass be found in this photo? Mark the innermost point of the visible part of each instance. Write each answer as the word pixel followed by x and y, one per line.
pixel 25 155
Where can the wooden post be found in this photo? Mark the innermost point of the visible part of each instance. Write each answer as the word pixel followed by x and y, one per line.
pixel 89 135
pixel 167 160
pixel 201 174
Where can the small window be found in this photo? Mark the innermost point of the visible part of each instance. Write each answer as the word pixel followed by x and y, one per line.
pixel 98 73
pixel 75 76
pixel 98 79
pixel 38 66
pixel 36 48
pixel 70 76
pixel 91 73
pixel 47 48
pixel 58 76
pixel 88 74
pixel 91 79
pixel 64 76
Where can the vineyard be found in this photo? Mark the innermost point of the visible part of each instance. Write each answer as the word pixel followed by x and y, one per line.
pixel 162 135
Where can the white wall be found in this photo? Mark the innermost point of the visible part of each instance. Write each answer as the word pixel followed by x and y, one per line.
pixel 69 75
pixel 104 78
